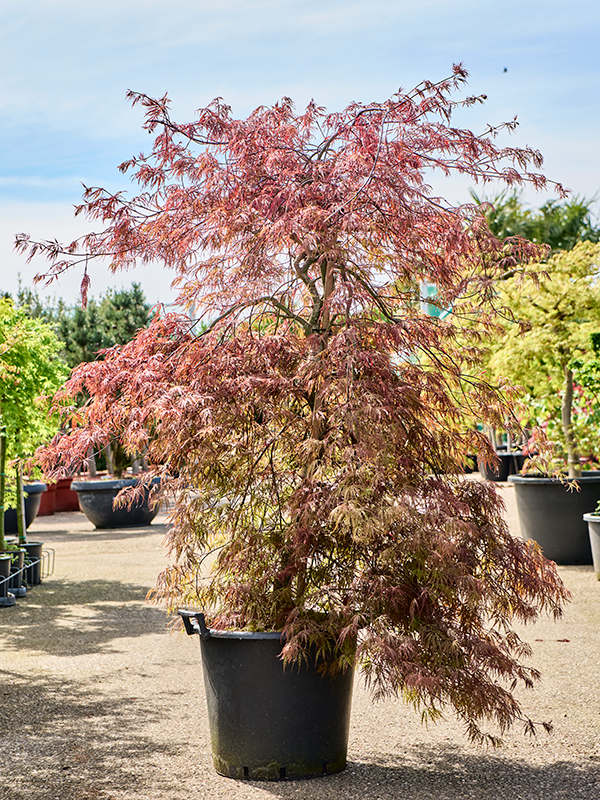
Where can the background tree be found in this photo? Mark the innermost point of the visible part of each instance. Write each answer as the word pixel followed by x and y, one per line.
pixel 309 432
pixel 555 314
pixel 561 225
pixel 29 367
pixel 85 330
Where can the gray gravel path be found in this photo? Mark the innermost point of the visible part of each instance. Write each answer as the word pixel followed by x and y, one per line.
pixel 98 700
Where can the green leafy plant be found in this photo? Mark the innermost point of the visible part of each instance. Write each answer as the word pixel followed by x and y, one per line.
pixel 555 307
pixel 29 367
pixel 84 331
pixel 559 224
pixel 311 435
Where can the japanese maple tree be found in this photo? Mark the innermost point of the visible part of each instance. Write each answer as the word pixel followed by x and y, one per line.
pixel 311 432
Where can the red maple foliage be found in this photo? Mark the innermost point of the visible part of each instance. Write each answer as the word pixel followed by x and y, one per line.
pixel 312 432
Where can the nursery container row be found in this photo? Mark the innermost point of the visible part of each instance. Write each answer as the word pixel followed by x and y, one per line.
pixel 22 568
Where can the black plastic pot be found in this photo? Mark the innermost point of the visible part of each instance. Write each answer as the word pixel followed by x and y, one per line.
pixel 552 515
pixel 33 498
pixel 96 500
pixel 33 573
pixel 7 598
pixel 510 464
pixel 268 722
pixel 15 584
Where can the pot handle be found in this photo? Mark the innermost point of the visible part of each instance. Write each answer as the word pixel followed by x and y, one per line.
pixel 194 622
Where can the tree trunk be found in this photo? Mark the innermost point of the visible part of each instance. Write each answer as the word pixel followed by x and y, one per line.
pixel 573 459
pixel 21 522
pixel 110 466
pixel 91 464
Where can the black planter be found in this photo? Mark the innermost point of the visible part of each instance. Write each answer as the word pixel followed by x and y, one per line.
pixel 510 464
pixel 552 515
pixel 33 498
pixel 96 501
pixel 7 598
pixel 15 584
pixel 33 573
pixel 266 722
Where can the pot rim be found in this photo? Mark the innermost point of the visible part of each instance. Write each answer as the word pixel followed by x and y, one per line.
pixel 107 484
pixel 536 479
pixel 214 633
pixel 35 488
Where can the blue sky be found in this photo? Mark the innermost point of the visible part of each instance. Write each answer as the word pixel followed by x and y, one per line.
pixel 65 66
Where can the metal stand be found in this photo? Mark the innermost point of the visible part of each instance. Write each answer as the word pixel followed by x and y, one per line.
pixel 8 595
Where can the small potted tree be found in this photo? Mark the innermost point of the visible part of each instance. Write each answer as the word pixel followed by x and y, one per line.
pixel 97 497
pixel 556 308
pixel 84 333
pixel 29 367
pixel 312 435
pixel 560 225
pixel 586 371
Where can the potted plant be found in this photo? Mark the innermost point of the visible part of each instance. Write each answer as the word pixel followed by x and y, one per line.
pixel 7 598
pixel 555 311
pixel 32 496
pixel 586 371
pixel 97 496
pixel 29 367
pixel 311 436
pixel 593 522
pixel 509 459
pixel 97 500
pixel 85 333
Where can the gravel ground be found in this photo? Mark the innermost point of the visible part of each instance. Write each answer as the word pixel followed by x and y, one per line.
pixel 99 700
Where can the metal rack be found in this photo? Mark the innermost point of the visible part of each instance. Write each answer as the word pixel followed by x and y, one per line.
pixel 32 574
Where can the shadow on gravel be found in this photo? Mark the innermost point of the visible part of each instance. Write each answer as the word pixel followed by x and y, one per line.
pixel 55 535
pixel 449 773
pixel 75 618
pixel 64 740
pixel 61 740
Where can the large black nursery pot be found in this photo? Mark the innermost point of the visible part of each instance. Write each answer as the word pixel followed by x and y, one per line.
pixel 96 500
pixel 268 722
pixel 551 513
pixel 33 498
